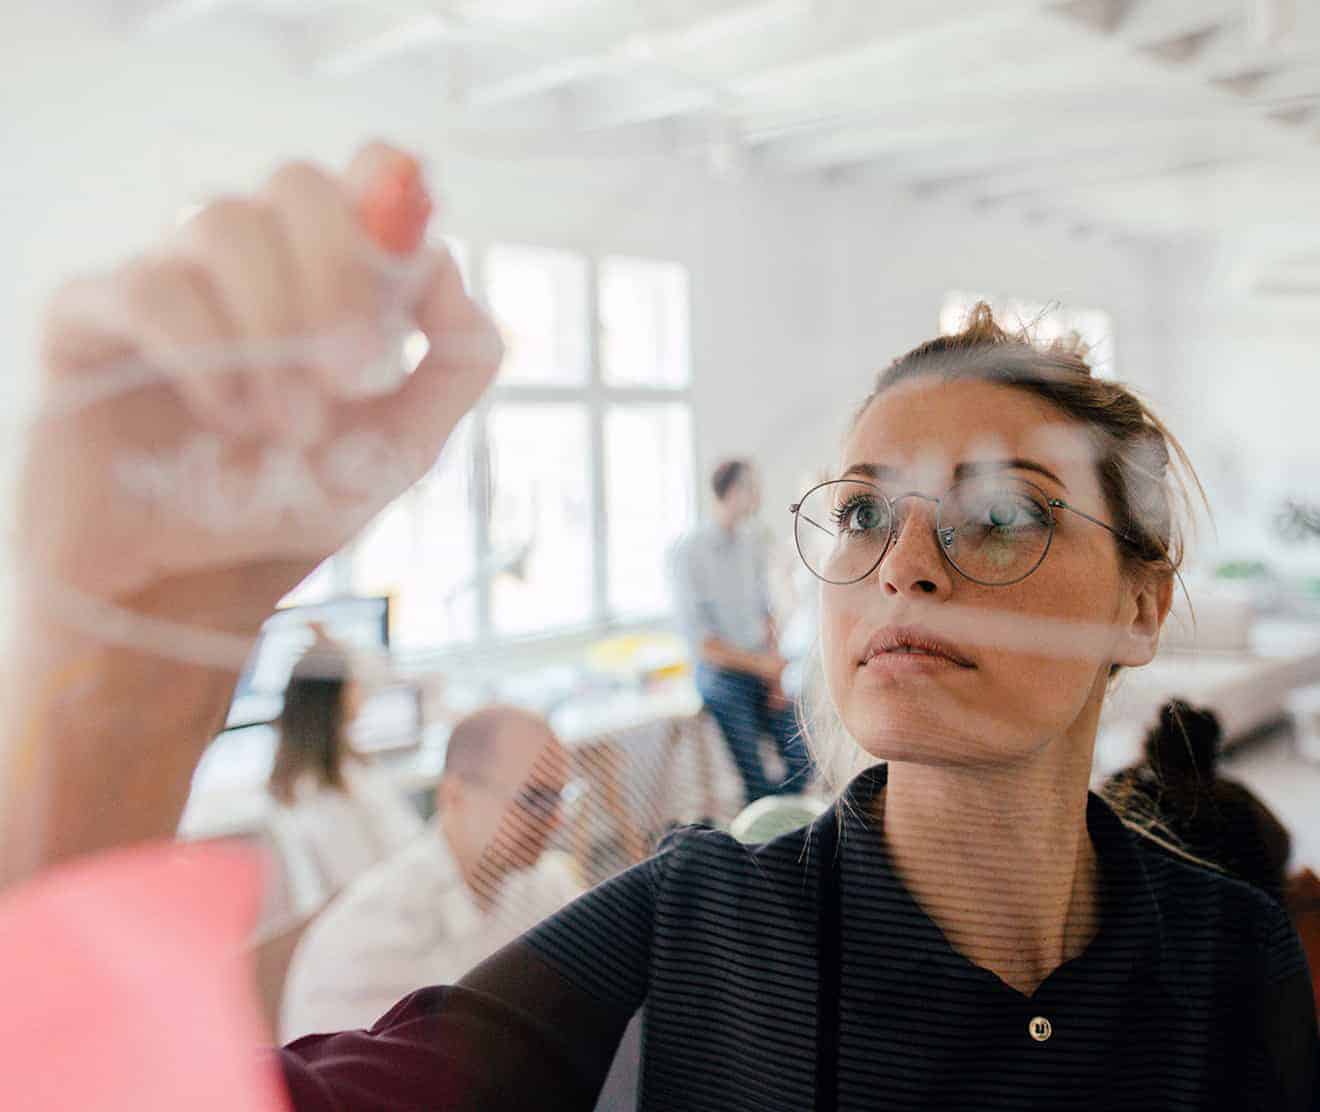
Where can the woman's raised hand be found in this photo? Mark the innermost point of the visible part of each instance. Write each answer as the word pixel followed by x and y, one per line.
pixel 227 409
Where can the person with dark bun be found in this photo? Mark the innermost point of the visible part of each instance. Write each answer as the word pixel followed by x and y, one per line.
pixel 1210 817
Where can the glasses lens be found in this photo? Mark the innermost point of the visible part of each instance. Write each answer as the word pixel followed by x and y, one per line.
pixel 994 531
pixel 842 529
pixel 539 801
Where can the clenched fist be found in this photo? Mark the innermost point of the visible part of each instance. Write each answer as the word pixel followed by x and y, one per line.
pixel 226 410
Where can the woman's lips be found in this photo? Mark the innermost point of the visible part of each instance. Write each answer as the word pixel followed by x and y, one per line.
pixel 908 646
pixel 901 662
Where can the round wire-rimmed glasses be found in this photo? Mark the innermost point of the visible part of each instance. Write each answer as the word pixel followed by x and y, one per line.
pixel 994 530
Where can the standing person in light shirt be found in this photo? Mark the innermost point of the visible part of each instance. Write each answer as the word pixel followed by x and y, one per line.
pixel 474 882
pixel 720 575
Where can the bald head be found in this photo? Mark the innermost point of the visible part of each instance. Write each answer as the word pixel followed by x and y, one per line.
pixel 499 797
pixel 499 746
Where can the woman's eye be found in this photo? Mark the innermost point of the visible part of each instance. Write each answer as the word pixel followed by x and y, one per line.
pixel 865 517
pixel 1010 513
pixel 859 516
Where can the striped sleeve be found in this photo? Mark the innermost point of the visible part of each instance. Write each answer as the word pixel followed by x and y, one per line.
pixel 601 942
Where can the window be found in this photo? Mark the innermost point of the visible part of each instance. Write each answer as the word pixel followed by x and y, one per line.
pixel 650 499
pixel 541 517
pixel 555 501
pixel 1045 322
pixel 539 300
pixel 421 551
pixel 644 323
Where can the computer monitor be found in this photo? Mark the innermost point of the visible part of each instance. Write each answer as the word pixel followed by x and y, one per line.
pixel 355 622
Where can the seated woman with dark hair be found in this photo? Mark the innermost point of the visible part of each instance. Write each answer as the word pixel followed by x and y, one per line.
pixel 1209 817
pixel 335 817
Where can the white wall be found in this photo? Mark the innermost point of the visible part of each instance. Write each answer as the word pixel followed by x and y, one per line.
pixel 801 290
pixel 1248 373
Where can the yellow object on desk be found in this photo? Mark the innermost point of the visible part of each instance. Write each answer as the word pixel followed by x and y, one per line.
pixel 647 658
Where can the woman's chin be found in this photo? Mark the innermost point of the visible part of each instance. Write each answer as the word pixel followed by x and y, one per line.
pixel 922 735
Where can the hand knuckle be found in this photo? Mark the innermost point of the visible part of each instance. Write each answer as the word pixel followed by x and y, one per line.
pixel 227 220
pixel 300 179
pixel 143 281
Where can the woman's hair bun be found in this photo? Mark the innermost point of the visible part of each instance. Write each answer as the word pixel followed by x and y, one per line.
pixel 1185 743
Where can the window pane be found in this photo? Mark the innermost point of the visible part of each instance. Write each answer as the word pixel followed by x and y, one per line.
pixel 644 323
pixel 421 550
pixel 539 299
pixel 649 500
pixel 540 518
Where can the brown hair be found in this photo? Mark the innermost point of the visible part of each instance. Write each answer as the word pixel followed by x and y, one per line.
pixel 311 724
pixel 1134 450
pixel 726 475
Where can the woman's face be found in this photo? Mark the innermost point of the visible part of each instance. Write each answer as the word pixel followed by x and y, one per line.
pixel 1008 692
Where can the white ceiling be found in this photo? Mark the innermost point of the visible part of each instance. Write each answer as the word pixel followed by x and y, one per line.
pixel 1183 118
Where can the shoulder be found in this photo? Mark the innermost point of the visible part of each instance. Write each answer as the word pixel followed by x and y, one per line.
pixel 701 864
pixel 1206 912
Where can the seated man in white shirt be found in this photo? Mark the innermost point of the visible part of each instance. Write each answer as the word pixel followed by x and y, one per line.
pixel 476 881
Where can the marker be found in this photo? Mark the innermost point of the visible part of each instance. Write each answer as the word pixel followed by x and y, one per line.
pixel 394 211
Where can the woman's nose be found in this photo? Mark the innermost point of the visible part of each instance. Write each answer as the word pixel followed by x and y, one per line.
pixel 914 564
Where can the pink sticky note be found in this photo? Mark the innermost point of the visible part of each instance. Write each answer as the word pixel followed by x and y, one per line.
pixel 125 986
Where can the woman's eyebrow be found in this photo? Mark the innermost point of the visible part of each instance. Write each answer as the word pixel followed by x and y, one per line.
pixel 871 471
pixel 982 467
pixel 962 471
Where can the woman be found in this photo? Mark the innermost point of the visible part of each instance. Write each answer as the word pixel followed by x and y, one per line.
pixel 1216 819
pixel 334 816
pixel 968 928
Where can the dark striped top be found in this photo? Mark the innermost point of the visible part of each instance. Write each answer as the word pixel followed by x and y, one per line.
pixel 1194 994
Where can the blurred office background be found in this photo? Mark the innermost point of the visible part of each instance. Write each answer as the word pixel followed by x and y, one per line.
pixel 702 225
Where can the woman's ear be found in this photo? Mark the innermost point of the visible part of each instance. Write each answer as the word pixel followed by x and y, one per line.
pixel 1142 618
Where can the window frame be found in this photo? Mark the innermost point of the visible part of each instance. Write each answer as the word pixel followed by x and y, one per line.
pixel 597 396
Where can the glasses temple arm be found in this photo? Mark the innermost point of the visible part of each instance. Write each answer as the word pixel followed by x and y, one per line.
pixel 1059 504
pixel 796 510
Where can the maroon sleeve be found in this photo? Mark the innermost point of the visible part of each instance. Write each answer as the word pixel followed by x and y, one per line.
pixel 516 1035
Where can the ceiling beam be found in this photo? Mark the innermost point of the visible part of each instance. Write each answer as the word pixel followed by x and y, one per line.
pixel 872 38
pixel 1154 21
pixel 875 55
pixel 957 122
pixel 539 80
pixel 1269 22
pixel 1042 182
pixel 644 50
pixel 161 15
pixel 1105 16
pixel 624 109
pixel 352 40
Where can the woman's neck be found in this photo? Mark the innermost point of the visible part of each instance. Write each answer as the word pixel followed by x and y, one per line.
pixel 999 858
